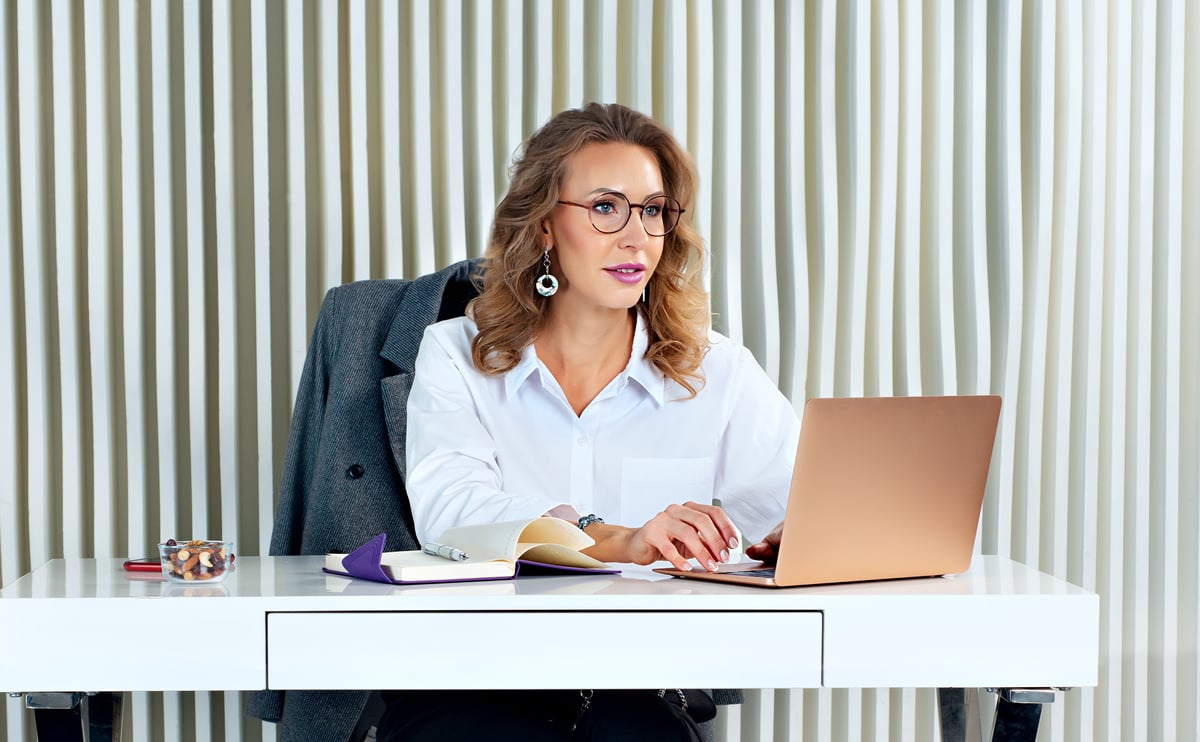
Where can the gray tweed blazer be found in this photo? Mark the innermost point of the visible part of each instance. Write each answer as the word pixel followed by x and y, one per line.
pixel 343 474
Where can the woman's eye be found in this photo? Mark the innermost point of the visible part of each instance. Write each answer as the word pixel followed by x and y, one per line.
pixel 652 210
pixel 604 207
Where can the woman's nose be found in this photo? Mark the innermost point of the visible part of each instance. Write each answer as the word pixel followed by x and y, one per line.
pixel 634 234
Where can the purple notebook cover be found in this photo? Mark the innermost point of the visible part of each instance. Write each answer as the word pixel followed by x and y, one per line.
pixel 364 563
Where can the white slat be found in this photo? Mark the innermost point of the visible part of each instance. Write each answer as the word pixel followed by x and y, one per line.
pixel 420 169
pixel 36 330
pixel 13 473
pixel 726 238
pixel 1006 204
pixel 134 309
pixel 1093 168
pixel 908 222
pixel 601 75
pixel 1167 555
pixel 451 188
pixel 568 55
pixel 329 134
pixel 758 270
pixel 537 62
pixel 71 327
pixel 166 301
pixel 854 181
pixel 937 189
pixel 391 142
pixel 508 59
pixel 1188 694
pixel 1141 288
pixel 672 65
pixel 791 207
pixel 299 96
pixel 885 115
pixel 264 271
pixel 357 48
pixel 1112 587
pixel 700 120
pixel 197 239
pixel 824 235
pixel 229 305
pixel 973 337
pixel 480 177
pixel 1037 159
pixel 1064 231
pixel 99 97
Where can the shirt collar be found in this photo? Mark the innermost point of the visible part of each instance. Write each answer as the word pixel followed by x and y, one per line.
pixel 520 372
pixel 639 369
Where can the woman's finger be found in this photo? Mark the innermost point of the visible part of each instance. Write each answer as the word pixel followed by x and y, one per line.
pixel 714 543
pixel 727 534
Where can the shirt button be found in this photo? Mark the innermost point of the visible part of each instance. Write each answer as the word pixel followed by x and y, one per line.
pixel 355 471
pixel 582 440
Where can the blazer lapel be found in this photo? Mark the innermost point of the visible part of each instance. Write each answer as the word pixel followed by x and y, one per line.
pixel 419 307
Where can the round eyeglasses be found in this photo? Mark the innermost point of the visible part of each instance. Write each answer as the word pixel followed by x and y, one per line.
pixel 610 212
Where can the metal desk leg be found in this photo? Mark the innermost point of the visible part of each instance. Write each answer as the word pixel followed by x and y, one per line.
pixel 1018 712
pixel 76 717
pixel 958 710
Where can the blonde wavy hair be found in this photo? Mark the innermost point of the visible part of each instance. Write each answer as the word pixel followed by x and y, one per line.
pixel 509 313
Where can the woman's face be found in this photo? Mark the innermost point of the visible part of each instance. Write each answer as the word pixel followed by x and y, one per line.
pixel 597 270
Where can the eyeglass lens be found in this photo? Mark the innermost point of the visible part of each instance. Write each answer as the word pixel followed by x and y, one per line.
pixel 610 213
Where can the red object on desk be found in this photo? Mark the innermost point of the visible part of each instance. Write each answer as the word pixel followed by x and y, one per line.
pixel 149 564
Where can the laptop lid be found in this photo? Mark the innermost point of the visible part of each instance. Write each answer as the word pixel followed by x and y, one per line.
pixel 883 488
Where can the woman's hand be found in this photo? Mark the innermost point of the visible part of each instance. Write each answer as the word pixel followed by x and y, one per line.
pixel 767 550
pixel 679 533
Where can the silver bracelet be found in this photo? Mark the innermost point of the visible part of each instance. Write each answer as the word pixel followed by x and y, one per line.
pixel 589 519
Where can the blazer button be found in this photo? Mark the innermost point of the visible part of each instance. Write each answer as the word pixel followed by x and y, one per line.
pixel 355 471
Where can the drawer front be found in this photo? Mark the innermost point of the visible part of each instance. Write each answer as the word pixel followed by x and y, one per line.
pixel 544 649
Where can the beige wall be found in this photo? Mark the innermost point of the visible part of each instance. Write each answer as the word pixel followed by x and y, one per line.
pixel 908 198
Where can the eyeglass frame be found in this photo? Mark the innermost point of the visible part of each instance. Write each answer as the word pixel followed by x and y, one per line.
pixel 640 207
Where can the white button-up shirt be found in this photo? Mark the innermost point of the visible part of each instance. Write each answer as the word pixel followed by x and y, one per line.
pixel 485 449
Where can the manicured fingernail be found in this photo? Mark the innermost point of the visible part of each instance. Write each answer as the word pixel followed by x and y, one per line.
pixel 687 567
pixel 733 542
pixel 712 566
pixel 724 555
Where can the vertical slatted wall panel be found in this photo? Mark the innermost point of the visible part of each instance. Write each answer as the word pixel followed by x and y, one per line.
pixel 908 198
pixel 1187 695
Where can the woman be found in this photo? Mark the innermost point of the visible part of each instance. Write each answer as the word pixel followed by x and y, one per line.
pixel 585 384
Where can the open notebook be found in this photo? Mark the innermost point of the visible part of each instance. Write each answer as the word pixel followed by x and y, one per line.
pixel 883 488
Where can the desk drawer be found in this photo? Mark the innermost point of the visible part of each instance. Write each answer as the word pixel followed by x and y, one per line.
pixel 544 649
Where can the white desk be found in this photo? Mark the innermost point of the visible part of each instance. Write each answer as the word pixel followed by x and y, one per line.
pixel 281 623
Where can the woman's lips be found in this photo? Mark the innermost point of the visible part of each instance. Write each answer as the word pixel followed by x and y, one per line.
pixel 630 273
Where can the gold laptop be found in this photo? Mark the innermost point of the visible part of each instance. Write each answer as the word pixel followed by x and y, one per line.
pixel 883 488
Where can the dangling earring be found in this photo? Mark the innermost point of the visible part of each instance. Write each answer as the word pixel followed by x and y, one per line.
pixel 546 284
pixel 644 294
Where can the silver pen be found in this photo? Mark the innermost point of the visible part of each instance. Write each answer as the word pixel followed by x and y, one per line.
pixel 445 552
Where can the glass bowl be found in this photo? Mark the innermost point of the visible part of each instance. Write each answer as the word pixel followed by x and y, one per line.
pixel 196 561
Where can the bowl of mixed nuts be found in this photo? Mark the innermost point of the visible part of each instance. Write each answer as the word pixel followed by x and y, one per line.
pixel 196 561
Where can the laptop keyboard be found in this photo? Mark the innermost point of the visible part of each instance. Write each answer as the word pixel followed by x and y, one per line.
pixel 760 572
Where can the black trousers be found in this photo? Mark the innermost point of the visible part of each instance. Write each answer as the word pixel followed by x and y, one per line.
pixel 534 716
